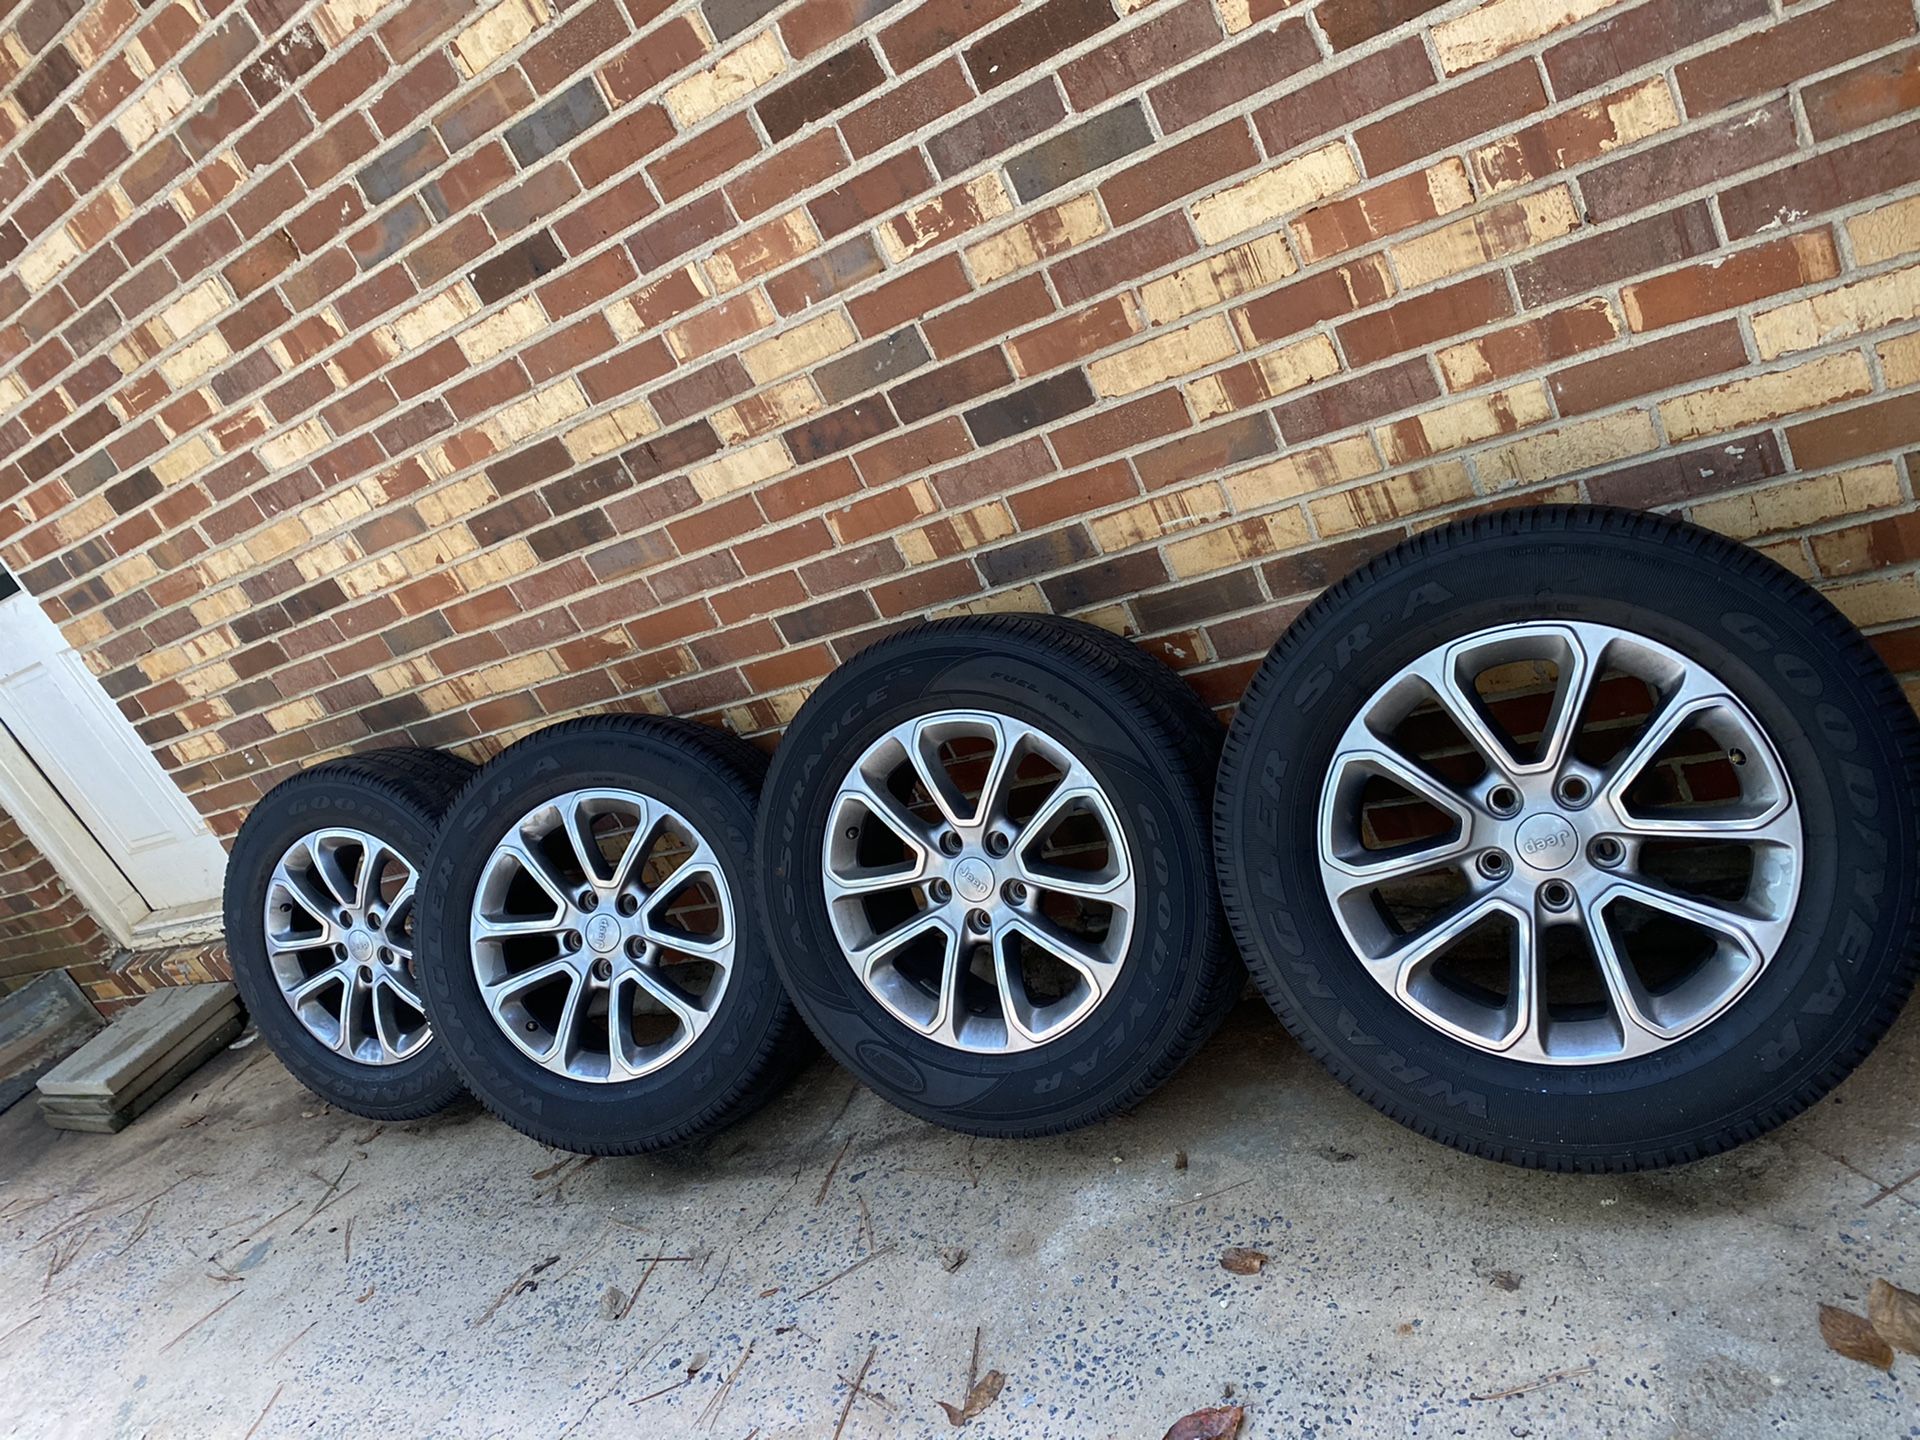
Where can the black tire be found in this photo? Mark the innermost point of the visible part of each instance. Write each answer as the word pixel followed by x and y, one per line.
pixel 1148 742
pixel 398 796
pixel 1850 750
pixel 753 1041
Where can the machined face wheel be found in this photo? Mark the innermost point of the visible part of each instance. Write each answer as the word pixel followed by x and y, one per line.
pixel 602 934
pixel 978 881
pixel 339 933
pixel 1560 843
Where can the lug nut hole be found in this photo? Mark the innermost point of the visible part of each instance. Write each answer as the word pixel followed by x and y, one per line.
pixel 1503 800
pixel 1495 865
pixel 998 844
pixel 573 940
pixel 628 905
pixel 980 922
pixel 950 843
pixel 1015 892
pixel 942 892
pixel 1574 791
pixel 636 947
pixel 1556 894
pixel 603 969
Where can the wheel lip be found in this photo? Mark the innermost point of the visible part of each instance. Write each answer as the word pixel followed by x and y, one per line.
pixel 930 866
pixel 364 938
pixel 1595 638
pixel 713 865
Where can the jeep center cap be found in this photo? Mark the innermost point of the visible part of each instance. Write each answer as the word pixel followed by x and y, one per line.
pixel 1547 841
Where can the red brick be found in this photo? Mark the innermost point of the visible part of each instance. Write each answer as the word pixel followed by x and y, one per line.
pixel 1350 93
pixel 1171 38
pixel 1178 170
pixel 707 156
pixel 1487 102
pixel 1351 403
pixel 1121 428
pixel 937 25
pixel 1354 22
pixel 909 106
pixel 1661 172
pixel 912 295
pixel 1649 366
pixel 1628 41
pixel 1874 166
pixel 1006 307
pixel 1145 248
pixel 1426 320
pixel 1864 96
pixel 1801 44
pixel 1865 430
pixel 1302 304
pixel 1230 75
pixel 1740 279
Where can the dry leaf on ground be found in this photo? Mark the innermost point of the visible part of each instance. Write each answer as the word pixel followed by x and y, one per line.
pixel 1242 1261
pixel 1850 1335
pixel 1895 1313
pixel 1220 1423
pixel 952 1257
pixel 985 1391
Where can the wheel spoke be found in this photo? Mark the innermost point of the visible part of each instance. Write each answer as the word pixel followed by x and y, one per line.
pixel 386 1024
pixel 511 987
pixel 366 881
pixel 1095 968
pixel 691 1017
pixel 300 888
pixel 326 867
pixel 1341 846
pixel 887 943
pixel 889 812
pixel 307 989
pixel 566 1032
pixel 487 928
pixel 717 947
pixel 541 872
pixel 922 755
pixel 585 853
pixel 348 1009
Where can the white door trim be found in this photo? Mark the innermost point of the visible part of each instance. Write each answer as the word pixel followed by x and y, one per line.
pixel 56 832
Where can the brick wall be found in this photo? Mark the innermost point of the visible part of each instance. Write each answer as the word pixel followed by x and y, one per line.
pixel 429 371
pixel 43 925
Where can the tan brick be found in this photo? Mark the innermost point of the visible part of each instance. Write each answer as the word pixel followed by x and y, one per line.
pixel 496 32
pixel 804 345
pixel 283 452
pixel 1252 266
pixel 615 430
pixel 1492 233
pixel 507 327
pixel 1274 193
pixel 40 265
pixel 1380 501
pixel 1582 446
pixel 1900 361
pixel 1884 233
pixel 155 110
pixel 915 229
pixel 741 468
pixel 1236 544
pixel 1303 473
pixel 1466 422
pixel 456 501
pixel 542 410
pixel 185 461
pixel 1277 372
pixel 1048 232
pixel 184 368
pixel 1871 304
pixel 1797 504
pixel 305 711
pixel 732 77
pixel 205 302
pixel 971 529
pixel 1167 513
pixel 1167 355
pixel 1879 602
pixel 434 316
pixel 772 408
pixel 1489 31
pixel 1758 398
pixel 495 566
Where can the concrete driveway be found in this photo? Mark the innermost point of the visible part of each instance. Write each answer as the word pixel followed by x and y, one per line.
pixel 244 1262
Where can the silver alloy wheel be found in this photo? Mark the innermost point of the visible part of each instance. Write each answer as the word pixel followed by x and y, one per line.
pixel 978 881
pixel 1562 851
pixel 339 914
pixel 602 935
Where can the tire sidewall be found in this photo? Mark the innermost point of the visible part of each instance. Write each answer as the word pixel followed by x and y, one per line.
pixel 1747 1069
pixel 700 1083
pixel 420 1083
pixel 1107 1052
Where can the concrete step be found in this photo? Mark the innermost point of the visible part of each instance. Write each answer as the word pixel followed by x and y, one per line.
pixel 100 1118
pixel 120 1060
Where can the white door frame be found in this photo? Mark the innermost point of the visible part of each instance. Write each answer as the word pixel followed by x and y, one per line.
pixel 56 832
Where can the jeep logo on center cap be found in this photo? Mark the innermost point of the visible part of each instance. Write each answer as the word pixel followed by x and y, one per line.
pixel 603 933
pixel 1547 842
pixel 973 879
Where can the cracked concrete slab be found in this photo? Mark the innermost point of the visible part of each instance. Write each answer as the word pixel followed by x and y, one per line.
pixel 245 1257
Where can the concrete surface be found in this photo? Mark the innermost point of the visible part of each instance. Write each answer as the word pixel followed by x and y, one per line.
pixel 243 1258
